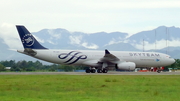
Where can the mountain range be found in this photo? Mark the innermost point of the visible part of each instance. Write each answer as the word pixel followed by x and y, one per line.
pixel 161 39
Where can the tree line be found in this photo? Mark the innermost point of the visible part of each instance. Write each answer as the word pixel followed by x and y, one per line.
pixel 38 66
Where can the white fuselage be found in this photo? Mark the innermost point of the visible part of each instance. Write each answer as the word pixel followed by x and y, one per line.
pixel 91 58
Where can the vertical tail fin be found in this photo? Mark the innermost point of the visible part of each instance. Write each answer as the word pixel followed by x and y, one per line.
pixel 27 38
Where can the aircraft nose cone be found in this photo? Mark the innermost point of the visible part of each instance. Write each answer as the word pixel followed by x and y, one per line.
pixel 173 61
pixel 169 61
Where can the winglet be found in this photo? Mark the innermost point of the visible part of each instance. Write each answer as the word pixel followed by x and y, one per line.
pixel 27 38
pixel 107 52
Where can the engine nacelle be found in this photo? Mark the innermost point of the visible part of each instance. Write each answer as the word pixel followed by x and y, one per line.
pixel 126 66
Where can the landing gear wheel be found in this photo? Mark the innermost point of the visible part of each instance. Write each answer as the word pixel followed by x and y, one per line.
pixel 158 71
pixel 99 70
pixel 93 71
pixel 104 70
pixel 88 70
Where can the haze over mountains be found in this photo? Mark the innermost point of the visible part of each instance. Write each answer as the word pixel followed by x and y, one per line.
pixel 167 40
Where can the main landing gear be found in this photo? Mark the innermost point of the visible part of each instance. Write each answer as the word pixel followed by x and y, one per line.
pixel 93 70
pixel 159 70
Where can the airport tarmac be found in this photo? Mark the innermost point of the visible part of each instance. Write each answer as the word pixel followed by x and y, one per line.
pixel 83 73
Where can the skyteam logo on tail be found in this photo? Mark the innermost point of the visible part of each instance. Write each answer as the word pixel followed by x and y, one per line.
pixel 28 40
pixel 72 57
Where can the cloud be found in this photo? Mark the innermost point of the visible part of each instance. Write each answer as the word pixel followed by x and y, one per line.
pixel 114 41
pixel 51 42
pixel 10 36
pixel 75 39
pixel 90 46
pixel 38 39
pixel 54 35
pixel 159 44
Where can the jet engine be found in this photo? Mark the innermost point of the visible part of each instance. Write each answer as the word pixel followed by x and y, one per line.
pixel 126 66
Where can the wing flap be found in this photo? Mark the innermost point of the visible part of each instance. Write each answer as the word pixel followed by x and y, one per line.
pixel 108 59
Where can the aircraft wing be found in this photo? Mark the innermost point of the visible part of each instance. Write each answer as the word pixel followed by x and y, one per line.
pixel 108 57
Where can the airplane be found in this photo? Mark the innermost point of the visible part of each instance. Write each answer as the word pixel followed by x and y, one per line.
pixel 97 61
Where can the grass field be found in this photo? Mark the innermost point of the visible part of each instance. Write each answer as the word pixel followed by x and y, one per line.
pixel 89 88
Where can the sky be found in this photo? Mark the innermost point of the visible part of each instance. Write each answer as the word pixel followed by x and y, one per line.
pixel 130 16
pixel 89 16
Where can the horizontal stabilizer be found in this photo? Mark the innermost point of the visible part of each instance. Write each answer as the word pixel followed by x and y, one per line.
pixel 28 51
